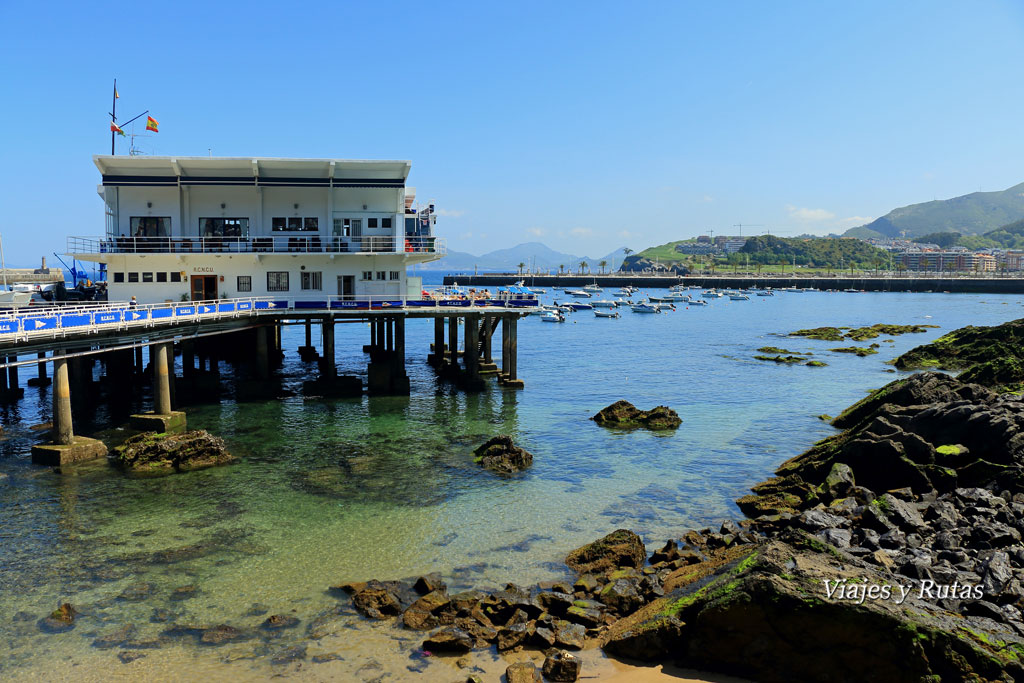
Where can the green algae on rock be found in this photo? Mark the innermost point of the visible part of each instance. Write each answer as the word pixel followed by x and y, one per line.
pixel 860 333
pixel 782 359
pixel 777 351
pixel 150 454
pixel 624 415
pixel 858 350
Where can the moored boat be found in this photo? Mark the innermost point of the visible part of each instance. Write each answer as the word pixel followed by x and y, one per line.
pixel 605 314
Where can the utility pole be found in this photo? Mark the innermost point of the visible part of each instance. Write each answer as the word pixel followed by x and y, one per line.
pixel 113 117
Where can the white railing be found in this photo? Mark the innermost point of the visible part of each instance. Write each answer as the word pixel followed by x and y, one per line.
pixel 22 324
pixel 291 244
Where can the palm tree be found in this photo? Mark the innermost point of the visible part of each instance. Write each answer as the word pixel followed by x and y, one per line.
pixel 603 265
pixel 521 265
pixel 583 266
pixel 561 268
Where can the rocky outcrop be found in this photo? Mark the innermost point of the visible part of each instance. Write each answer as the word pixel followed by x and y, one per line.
pixel 624 415
pixel 154 455
pixel 621 548
pixel 992 356
pixel 501 455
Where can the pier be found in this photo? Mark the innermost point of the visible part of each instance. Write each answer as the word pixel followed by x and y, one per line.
pixel 71 339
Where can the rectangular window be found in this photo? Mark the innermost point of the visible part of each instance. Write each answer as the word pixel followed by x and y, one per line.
pixel 133 277
pixel 395 275
pixel 367 275
pixel 118 277
pixel 311 224
pixel 294 224
pixel 161 277
pixel 147 277
pixel 244 283
pixel 385 222
pixel 278 224
pixel 176 276
pixel 150 226
pixel 224 227
pixel 381 275
pixel 277 281
pixel 312 280
pixel 371 222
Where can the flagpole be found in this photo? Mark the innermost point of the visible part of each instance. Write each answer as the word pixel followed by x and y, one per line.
pixel 113 116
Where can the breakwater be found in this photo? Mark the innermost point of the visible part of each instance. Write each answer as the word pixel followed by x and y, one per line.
pixel 871 284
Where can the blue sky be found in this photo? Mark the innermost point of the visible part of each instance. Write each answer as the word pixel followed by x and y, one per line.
pixel 587 126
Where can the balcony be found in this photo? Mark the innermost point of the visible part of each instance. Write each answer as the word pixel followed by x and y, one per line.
pixel 257 245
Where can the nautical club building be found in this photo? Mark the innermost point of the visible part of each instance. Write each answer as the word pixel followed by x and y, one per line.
pixel 204 228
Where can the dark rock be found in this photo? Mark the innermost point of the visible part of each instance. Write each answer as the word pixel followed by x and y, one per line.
pixel 449 639
pixel 184 592
pixel 514 636
pixel 218 635
pixel 816 520
pixel 621 596
pixel 903 514
pixel 161 616
pixel 128 657
pixel 429 583
pixel 277 622
pixel 137 592
pixel 151 454
pixel 60 620
pixel 562 666
pixel 288 655
pixel 522 672
pixel 501 455
pixel 624 415
pixel 840 480
pixel 377 603
pixel 327 657
pixel 22 616
pixel 422 614
pixel 621 548
pixel 840 538
pixel 115 638
pixel 569 635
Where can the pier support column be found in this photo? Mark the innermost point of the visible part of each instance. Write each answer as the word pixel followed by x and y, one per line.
pixel 470 379
pixel 487 366
pixel 327 366
pixel 308 351
pixel 436 356
pixel 10 389
pixel 510 348
pixel 385 375
pixel 262 369
pixel 40 380
pixel 453 343
pixel 163 418
pixel 188 359
pixel 330 383
pixel 66 447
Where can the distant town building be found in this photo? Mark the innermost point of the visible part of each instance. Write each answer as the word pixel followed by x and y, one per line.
pixel 960 260
pixel 696 247
pixel 733 244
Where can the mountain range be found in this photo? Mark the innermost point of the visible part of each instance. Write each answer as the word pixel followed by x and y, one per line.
pixel 533 254
pixel 971 214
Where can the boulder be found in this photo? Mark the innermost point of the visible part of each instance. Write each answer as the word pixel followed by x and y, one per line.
pixel 152 455
pixel 377 603
pixel 562 666
pixel 276 622
pixel 449 640
pixel 621 548
pixel 522 672
pixel 501 455
pixel 624 415
pixel 60 620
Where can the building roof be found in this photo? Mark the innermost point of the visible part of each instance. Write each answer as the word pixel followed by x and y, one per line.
pixel 167 170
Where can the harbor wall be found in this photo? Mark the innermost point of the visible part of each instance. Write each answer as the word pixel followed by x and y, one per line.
pixel 871 284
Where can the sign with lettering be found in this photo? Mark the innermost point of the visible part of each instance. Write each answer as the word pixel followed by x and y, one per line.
pixel 202 269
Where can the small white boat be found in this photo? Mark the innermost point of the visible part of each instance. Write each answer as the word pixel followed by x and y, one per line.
pixel 678 296
pixel 712 294
pixel 739 297
pixel 604 303
pixel 593 288
pixel 646 308
pixel 537 290
pixel 605 314
pixel 766 292
pixel 578 293
pixel 695 302
pixel 553 317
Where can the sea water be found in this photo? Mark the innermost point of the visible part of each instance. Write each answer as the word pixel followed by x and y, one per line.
pixel 328 491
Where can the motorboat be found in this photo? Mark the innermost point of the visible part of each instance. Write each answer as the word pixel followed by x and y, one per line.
pixel 553 317
pixel 578 293
pixel 739 297
pixel 605 314
pixel 695 302
pixel 712 294
pixel 604 303
pixel 593 288
pixel 766 292
pixel 646 308
pixel 537 290
pixel 577 306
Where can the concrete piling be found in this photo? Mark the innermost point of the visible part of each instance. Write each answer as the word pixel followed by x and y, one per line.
pixel 65 447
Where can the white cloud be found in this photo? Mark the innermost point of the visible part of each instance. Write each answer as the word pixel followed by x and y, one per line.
pixel 450 213
pixel 536 232
pixel 809 215
pixel 581 232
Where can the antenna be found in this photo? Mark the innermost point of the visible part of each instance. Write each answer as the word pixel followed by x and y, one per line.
pixel 749 225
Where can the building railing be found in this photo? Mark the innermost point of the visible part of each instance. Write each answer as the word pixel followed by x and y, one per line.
pixel 367 244
pixel 23 324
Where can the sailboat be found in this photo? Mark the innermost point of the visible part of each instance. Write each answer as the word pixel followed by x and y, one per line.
pixel 9 297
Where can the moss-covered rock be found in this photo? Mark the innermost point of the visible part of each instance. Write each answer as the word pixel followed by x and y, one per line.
pixel 624 415
pixel 621 548
pixel 153 455
pixel 822 333
pixel 858 350
pixel 500 454
pixel 968 346
pixel 782 359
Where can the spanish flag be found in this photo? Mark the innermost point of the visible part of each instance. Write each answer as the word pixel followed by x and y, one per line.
pixel 114 128
pixel 116 96
pixel 151 124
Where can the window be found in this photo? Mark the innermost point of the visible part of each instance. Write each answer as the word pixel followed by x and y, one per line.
pixel 277 281
pixel 367 275
pixel 294 224
pixel 176 276
pixel 150 226
pixel 147 277
pixel 133 277
pixel 312 280
pixel 395 275
pixel 161 277
pixel 371 222
pixel 224 227
pixel 118 277
pixel 381 275
pixel 385 222
pixel 244 283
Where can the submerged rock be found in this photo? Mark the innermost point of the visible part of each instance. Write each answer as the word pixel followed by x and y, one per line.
pixel 500 454
pixel 60 620
pixel 115 638
pixel 624 415
pixel 153 455
pixel 279 621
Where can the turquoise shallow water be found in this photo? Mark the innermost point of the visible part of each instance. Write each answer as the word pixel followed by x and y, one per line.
pixel 329 491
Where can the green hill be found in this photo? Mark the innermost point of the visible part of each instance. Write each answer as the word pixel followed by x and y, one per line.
pixel 817 252
pixel 971 214
pixel 1009 236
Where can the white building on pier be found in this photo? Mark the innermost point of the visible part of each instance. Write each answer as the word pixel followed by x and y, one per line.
pixel 199 228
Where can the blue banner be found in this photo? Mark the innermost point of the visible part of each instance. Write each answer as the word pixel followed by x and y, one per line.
pixel 79 320
pixel 310 304
pixel 207 308
pixel 225 308
pixel 245 305
pixel 185 310
pixel 132 316
pixel 162 313
pixel 33 324
pixel 8 326
pixel 107 317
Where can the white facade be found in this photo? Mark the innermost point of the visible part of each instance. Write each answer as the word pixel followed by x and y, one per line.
pixel 203 228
